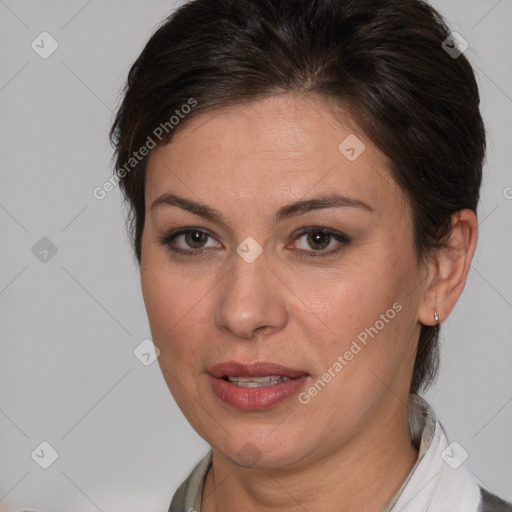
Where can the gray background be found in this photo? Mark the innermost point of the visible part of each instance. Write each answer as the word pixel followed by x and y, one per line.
pixel 68 375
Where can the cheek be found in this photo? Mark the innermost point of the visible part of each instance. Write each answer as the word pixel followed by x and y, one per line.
pixel 164 297
pixel 367 315
pixel 353 301
pixel 177 309
pixel 167 304
pixel 158 302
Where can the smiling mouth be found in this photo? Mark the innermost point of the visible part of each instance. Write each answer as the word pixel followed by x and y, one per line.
pixel 255 386
pixel 256 382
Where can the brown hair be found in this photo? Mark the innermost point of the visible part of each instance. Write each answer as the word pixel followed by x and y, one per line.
pixel 383 60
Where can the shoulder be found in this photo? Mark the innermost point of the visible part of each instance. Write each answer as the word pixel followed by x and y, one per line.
pixel 491 503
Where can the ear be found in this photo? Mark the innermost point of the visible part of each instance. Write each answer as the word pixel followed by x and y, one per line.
pixel 448 269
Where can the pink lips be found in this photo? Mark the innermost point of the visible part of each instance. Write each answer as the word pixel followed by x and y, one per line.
pixel 256 398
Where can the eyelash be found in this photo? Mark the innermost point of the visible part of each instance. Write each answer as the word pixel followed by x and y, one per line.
pixel 340 237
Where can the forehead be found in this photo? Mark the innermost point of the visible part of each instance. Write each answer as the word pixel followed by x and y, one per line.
pixel 275 148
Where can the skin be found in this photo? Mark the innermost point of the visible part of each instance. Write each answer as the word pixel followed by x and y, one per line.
pixel 348 449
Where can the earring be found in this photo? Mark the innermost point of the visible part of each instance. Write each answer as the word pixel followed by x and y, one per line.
pixel 436 317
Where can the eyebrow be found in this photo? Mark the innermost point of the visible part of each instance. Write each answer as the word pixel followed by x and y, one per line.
pixel 297 208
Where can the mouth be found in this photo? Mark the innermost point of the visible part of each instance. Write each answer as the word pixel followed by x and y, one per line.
pixel 255 386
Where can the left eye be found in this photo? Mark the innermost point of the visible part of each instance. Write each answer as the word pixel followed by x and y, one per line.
pixel 323 242
pixel 318 240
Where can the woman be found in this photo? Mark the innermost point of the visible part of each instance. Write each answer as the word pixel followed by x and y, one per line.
pixel 303 178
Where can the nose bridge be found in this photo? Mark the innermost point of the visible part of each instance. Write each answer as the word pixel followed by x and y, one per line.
pixel 249 295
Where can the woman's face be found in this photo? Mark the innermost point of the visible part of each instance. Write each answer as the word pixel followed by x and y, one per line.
pixel 337 307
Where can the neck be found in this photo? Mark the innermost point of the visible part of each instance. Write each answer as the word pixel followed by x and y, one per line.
pixel 361 475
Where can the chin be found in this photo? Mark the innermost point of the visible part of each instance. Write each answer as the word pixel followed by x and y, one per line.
pixel 261 450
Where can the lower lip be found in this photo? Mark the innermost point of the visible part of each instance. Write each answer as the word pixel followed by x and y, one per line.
pixel 255 398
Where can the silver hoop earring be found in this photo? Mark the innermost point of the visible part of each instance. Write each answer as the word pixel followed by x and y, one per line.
pixel 436 317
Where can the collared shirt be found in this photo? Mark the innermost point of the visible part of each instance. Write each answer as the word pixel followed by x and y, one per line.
pixel 438 482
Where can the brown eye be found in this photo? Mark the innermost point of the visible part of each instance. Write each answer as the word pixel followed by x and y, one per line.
pixel 318 240
pixel 195 239
pixel 188 241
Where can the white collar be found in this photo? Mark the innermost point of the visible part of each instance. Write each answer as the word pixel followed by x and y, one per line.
pixel 439 481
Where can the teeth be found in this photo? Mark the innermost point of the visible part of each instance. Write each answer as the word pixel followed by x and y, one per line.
pixel 255 379
pixel 255 382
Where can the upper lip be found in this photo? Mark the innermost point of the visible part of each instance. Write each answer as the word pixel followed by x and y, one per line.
pixel 258 369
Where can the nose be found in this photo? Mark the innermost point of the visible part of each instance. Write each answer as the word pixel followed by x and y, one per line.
pixel 252 300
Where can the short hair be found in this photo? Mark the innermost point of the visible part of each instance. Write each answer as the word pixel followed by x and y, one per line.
pixel 383 60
